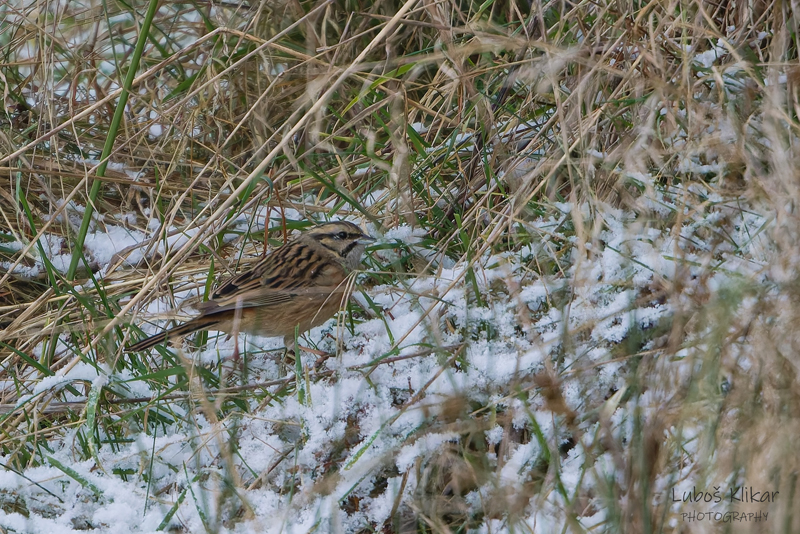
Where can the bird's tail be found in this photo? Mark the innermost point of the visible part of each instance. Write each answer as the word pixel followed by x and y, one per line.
pixel 162 337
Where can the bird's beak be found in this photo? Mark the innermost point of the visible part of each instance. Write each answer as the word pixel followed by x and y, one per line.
pixel 365 240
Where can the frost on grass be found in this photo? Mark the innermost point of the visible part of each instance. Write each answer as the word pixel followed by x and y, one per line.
pixel 447 404
pixel 107 241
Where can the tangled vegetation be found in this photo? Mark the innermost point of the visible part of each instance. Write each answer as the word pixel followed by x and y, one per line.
pixel 579 314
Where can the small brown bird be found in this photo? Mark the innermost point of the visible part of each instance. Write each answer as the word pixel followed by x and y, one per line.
pixel 300 285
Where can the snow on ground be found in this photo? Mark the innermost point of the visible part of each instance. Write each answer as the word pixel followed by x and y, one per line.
pixel 377 426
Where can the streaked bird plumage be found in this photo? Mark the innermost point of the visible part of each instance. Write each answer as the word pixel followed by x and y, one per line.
pixel 299 285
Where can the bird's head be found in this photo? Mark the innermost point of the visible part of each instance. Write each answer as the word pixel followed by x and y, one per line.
pixel 344 239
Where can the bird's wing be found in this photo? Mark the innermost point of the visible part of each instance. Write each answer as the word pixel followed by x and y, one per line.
pixel 244 281
pixel 264 297
pixel 264 286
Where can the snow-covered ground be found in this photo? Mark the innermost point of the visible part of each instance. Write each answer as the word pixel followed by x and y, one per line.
pixel 441 378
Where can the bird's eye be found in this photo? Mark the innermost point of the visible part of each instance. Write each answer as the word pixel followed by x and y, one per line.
pixel 341 235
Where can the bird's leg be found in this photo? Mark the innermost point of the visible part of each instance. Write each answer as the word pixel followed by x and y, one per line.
pixel 290 355
pixel 288 341
pixel 229 365
pixel 241 361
